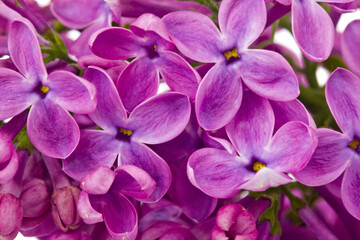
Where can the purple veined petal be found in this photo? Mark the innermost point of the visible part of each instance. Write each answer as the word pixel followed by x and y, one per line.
pixel 264 179
pixel 252 127
pixel 9 170
pixel 143 157
pixel 313 29
pixel 71 92
pixel 216 142
pixel 284 2
pixel 108 101
pixel 344 7
pixel 52 130
pixel 246 27
pixel 342 95
pixel 16 93
pixel 137 82
pixel 218 97
pixel 98 181
pixel 96 149
pixel 350 40
pixel 149 22
pixel 115 9
pixel 177 73
pixel 116 43
pixel 93 60
pixel 329 160
pixel 157 120
pixel 334 1
pixel 88 214
pixel 350 188
pixel 267 73
pixel 195 35
pixel 291 147
pixel 216 172
pixel 25 51
pixel 4 45
pixel 6 146
pixel 77 14
pixel 167 230
pixel 120 217
pixel 133 181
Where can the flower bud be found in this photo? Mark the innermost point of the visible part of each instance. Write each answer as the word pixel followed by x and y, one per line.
pixel 11 215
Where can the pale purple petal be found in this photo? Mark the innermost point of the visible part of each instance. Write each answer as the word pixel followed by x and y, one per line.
pixel 342 95
pixel 329 160
pixel 52 130
pixel 195 35
pixel 98 181
pixel 252 127
pixel 115 7
pixel 350 188
pixel 96 149
pixel 86 211
pixel 218 97
pixel 350 42
pixel 157 120
pixel 242 20
pixel 267 74
pixel 216 172
pixel 149 22
pixel 344 7
pixel 138 82
pixel 313 29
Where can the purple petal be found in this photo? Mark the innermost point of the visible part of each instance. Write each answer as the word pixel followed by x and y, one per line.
pixel 149 22
pixel 291 147
pixel 96 149
pixel 350 188
pixel 329 160
pixel 134 182
pixel 350 40
pixel 218 97
pixel 116 43
pixel 71 92
pixel 216 172
pixel 98 181
pixel 342 95
pixel 115 7
pixel 246 27
pixel 8 171
pixel 108 101
pixel 267 73
pixel 16 93
pixel 177 73
pixel 195 35
pixel 138 82
pixel 25 51
pixel 52 130
pixel 344 7
pixel 86 211
pixel 313 29
pixel 252 127
pixel 157 120
pixel 143 157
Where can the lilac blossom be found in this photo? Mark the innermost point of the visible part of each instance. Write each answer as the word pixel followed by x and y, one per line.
pixel 220 92
pixel 350 40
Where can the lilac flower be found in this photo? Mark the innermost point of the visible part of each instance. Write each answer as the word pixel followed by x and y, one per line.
pixel 350 40
pixel 50 127
pixel 11 214
pixel 263 157
pixel 148 41
pixel 220 92
pixel 154 121
pixel 339 152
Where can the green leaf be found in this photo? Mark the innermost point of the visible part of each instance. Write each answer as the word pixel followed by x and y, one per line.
pixel 334 62
pixel 23 140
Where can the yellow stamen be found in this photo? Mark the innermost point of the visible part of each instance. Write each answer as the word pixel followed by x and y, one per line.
pixel 83 183
pixel 86 215
pixel 258 165
pixel 232 53
pixel 125 132
pixel 354 144
pixel 44 89
pixel 155 48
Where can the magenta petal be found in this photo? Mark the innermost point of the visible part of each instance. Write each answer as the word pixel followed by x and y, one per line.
pixel 116 43
pixel 313 29
pixel 195 35
pixel 98 181
pixel 9 171
pixel 25 51
pixel 216 172
pixel 350 40
pixel 143 157
pixel 329 160
pixel 218 97
pixel 52 130
pixel 71 92
pixel 138 82
pixel 267 73
pixel 177 73
pixel 252 127
pixel 342 95
pixel 108 101
pixel 350 188
pixel 120 217
pixel 133 181
pixel 149 22
pixel 86 211
pixel 291 147
pixel 245 27
pixel 96 149
pixel 157 120
pixel 16 93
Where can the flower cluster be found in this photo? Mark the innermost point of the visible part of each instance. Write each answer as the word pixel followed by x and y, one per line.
pixel 178 120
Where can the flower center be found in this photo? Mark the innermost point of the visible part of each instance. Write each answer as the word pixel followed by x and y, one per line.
pixel 152 51
pixel 354 144
pixel 124 134
pixel 257 166
pixel 44 89
pixel 231 55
